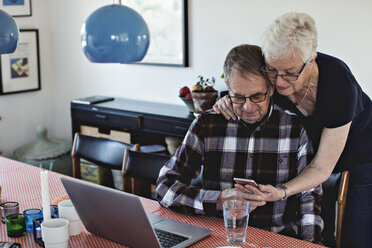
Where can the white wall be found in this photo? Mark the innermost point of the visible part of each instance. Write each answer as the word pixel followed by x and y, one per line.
pixel 215 26
pixel 21 113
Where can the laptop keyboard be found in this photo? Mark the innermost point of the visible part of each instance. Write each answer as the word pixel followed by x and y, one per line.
pixel 168 239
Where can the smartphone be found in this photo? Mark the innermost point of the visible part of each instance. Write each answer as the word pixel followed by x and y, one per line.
pixel 9 245
pixel 245 181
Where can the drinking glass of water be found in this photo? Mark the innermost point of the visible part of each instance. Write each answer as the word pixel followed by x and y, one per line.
pixel 236 216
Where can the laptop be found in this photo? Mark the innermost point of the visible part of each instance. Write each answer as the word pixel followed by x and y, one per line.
pixel 120 217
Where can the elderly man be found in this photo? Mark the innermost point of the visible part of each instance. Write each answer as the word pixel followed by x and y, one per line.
pixel 266 143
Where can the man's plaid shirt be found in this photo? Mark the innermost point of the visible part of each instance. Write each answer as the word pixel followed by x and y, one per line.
pixel 271 152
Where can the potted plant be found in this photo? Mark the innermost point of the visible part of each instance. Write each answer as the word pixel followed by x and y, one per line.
pixel 203 94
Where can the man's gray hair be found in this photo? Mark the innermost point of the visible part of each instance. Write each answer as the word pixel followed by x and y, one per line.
pixel 245 59
pixel 292 33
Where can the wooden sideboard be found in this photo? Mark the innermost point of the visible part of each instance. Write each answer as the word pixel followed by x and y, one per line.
pixel 147 122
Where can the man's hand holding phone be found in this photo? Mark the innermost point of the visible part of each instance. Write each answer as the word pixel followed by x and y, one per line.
pixel 235 193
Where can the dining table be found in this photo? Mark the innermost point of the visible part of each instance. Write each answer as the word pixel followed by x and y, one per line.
pixel 20 182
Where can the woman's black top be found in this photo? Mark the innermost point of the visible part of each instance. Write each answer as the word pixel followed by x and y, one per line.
pixel 339 100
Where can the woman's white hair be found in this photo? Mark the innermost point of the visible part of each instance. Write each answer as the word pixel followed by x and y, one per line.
pixel 292 33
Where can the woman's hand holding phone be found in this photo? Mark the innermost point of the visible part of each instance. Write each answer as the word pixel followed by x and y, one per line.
pixel 258 192
pixel 251 187
pixel 245 181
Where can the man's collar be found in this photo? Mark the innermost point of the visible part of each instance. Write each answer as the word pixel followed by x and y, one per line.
pixel 262 121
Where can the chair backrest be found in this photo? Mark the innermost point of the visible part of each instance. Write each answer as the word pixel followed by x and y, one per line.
pixel 334 190
pixel 140 171
pixel 102 152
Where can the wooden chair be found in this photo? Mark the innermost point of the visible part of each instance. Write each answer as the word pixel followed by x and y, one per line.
pixel 140 171
pixel 103 152
pixel 334 190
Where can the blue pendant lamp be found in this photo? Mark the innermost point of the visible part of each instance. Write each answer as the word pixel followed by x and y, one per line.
pixel 115 34
pixel 9 33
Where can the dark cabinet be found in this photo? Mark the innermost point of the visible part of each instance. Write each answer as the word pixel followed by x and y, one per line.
pixel 140 118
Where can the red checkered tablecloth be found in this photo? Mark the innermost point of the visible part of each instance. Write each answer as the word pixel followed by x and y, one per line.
pixel 21 183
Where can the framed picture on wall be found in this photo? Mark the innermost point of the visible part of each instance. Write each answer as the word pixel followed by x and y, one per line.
pixel 20 71
pixel 167 22
pixel 16 7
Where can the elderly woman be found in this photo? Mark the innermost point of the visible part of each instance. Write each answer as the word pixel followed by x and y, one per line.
pixel 336 112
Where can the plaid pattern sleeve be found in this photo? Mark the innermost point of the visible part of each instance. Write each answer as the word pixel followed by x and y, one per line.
pixel 311 224
pixel 173 184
